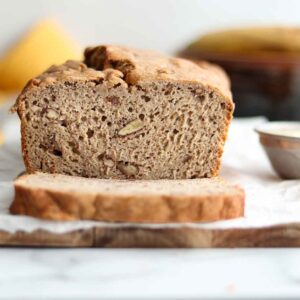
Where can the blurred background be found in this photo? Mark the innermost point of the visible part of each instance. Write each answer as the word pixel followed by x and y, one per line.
pixel 264 80
pixel 164 25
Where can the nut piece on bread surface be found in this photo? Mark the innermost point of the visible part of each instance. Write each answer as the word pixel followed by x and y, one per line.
pixel 126 113
pixel 67 198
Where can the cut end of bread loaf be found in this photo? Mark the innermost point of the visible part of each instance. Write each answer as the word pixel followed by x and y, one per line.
pixel 126 113
pixel 66 198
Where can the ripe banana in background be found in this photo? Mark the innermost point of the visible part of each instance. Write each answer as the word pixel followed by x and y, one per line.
pixel 251 40
pixel 46 43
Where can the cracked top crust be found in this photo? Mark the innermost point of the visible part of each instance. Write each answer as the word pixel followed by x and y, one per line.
pixel 143 65
pixel 124 65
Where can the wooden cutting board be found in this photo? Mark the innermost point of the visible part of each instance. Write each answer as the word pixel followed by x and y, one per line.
pixel 287 235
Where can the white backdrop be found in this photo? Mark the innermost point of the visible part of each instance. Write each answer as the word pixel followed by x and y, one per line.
pixel 163 25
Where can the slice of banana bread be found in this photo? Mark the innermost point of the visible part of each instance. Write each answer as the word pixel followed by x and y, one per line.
pixel 61 197
pixel 126 113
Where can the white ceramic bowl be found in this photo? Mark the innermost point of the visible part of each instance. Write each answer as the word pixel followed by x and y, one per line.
pixel 281 141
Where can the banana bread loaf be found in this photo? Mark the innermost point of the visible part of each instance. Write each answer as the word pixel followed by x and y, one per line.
pixel 126 113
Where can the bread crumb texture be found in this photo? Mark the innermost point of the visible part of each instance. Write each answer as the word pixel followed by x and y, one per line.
pixel 126 113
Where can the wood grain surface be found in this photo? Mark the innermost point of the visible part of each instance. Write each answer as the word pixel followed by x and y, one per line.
pixel 287 235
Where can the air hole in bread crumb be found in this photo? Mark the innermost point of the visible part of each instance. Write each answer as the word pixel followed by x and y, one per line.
pixel 175 131
pixel 63 123
pixel 93 108
pixel 130 109
pixel 117 85
pixel 34 102
pixel 81 138
pixel 109 124
pixel 90 133
pixel 168 90
pixel 100 157
pixel 146 98
pixel 83 119
pixel 41 146
pixel 103 118
pixel 200 98
pixel 57 152
pixel 187 158
pixel 74 147
pixel 223 105
pixel 141 116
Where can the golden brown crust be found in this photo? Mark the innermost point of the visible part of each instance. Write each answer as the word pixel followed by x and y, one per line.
pixel 142 65
pixel 23 136
pixel 224 136
pixel 131 207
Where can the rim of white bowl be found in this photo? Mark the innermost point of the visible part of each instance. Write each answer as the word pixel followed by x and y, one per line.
pixel 269 128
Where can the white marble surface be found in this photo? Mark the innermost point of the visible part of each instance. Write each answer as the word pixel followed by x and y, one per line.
pixel 149 274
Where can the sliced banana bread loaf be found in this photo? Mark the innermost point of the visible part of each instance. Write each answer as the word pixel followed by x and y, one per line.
pixel 61 197
pixel 126 113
